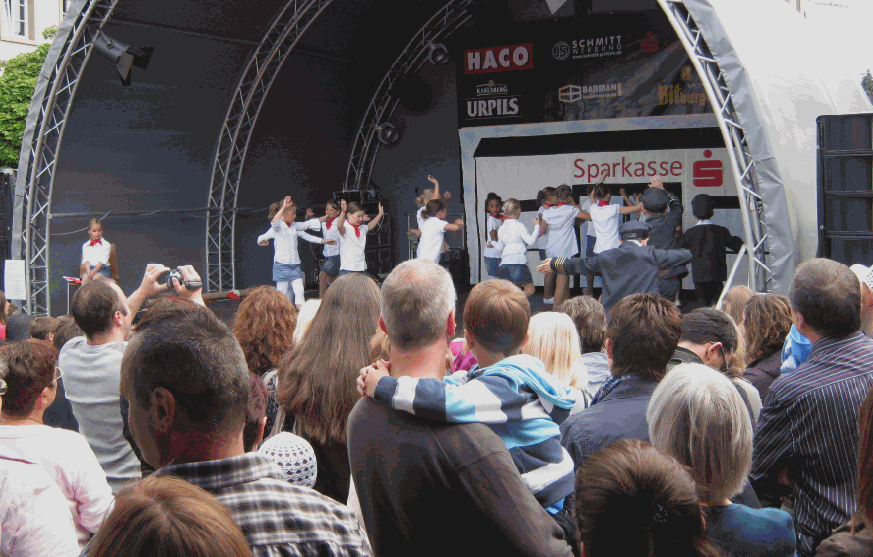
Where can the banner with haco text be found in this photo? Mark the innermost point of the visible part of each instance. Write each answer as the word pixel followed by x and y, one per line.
pixel 599 67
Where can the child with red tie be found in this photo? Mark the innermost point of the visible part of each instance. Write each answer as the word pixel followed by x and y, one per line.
pixel 353 236
pixel 95 252
pixel 605 216
pixel 493 205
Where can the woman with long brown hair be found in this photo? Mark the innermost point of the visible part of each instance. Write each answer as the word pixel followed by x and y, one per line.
pixel 766 323
pixel 317 378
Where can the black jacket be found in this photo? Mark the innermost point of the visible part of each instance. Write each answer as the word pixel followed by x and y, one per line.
pixel 762 372
pixel 709 245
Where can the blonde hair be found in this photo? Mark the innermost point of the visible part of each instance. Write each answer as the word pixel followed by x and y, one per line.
pixel 512 208
pixel 697 416
pixel 734 302
pixel 426 195
pixel 553 338
pixel 304 317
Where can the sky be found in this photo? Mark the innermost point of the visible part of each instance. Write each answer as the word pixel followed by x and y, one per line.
pixel 847 24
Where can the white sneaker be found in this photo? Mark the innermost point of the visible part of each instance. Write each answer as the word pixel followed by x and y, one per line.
pixel 548 300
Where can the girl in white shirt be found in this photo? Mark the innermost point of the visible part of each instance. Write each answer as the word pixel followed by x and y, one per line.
pixel 353 240
pixel 605 216
pixel 433 229
pixel 546 197
pixel 331 264
pixel 514 239
pixel 493 205
pixel 286 261
pixel 561 220
pixel 95 252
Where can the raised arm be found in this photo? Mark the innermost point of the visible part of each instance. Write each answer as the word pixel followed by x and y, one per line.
pixel 631 206
pixel 372 224
pixel 341 219
pixel 458 225
pixel 281 212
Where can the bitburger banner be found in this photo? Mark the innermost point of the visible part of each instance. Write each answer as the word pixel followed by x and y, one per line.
pixel 592 68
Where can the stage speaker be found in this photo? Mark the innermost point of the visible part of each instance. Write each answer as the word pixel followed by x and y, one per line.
pixel 845 188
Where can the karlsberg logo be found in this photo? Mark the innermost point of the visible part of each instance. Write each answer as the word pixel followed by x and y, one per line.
pixel 492 88
pixel 499 59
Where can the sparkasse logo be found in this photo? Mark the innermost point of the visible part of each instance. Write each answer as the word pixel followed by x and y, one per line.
pixel 707 173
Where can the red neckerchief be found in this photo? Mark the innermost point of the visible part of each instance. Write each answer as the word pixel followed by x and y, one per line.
pixel 501 217
pixel 357 230
pixel 560 204
pixel 97 241
pixel 602 203
pixel 330 222
pixel 547 205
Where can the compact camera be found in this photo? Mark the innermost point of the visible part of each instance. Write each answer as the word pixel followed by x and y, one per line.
pixel 189 284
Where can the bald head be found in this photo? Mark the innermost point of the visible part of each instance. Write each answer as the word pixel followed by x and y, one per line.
pixel 417 299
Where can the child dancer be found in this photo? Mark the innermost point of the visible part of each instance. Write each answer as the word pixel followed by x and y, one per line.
pixel 514 239
pixel 546 197
pixel 353 240
pixel 95 253
pixel 605 216
pixel 286 261
pixel 509 391
pixel 493 206
pixel 331 264
pixel 433 229
pixel 561 219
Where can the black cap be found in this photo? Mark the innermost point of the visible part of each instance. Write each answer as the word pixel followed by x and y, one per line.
pixel 701 206
pixel 655 200
pixel 634 230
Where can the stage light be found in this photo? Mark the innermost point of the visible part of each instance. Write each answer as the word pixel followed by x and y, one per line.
pixel 438 54
pixel 387 134
pixel 124 56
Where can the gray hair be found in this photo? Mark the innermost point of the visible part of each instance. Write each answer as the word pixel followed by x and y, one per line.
pixel 828 296
pixel 417 298
pixel 697 416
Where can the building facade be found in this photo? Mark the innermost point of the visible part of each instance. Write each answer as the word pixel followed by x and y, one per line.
pixel 23 21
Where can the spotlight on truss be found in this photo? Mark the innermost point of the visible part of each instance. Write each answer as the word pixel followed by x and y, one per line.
pixel 438 54
pixel 387 133
pixel 124 56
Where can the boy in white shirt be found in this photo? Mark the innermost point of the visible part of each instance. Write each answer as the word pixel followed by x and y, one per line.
pixel 514 239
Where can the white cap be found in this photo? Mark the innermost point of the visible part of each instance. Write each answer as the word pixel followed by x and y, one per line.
pixel 864 274
pixel 294 455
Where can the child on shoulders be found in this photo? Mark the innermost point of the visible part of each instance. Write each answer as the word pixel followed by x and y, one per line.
pixel 509 391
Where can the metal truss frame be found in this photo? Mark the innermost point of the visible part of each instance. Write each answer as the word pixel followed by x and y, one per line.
pixel 742 165
pixel 236 132
pixel 37 165
pixel 366 148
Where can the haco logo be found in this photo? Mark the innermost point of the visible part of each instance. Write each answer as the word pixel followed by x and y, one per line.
pixel 499 59
pixel 708 173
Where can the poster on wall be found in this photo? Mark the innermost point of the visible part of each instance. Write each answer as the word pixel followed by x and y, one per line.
pixel 597 67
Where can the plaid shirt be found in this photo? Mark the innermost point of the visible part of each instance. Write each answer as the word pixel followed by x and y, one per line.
pixel 278 519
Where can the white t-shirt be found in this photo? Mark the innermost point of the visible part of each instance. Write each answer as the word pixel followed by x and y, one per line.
pixel 514 240
pixel 430 245
pixel 351 248
pixel 285 239
pixel 562 233
pixel 492 223
pixel 586 206
pixel 68 459
pixel 419 217
pixel 331 233
pixel 98 253
pixel 544 239
pixel 605 220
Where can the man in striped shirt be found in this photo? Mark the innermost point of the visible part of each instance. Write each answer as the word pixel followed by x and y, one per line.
pixel 809 421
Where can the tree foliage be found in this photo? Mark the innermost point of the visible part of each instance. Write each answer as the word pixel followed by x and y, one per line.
pixel 16 88
pixel 867 84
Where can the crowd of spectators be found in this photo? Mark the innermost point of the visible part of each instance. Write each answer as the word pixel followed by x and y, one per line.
pixel 369 423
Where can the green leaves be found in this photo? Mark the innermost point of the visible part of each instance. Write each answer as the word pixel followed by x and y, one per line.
pixel 16 88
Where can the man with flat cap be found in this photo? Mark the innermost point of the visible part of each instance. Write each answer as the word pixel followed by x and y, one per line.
pixel 663 212
pixel 631 268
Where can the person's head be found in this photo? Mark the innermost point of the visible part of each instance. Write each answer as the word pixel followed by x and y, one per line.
pixel 426 195
pixel 552 337
pixel 865 463
pixel 701 207
pixel 633 500
pixel 493 204
pixel 655 201
pixel 331 209
pixel 434 208
pixel 31 377
pixel 496 318
pixel 634 230
pixel 826 299
pixel 766 323
pixel 43 327
pixel 264 327
pixel 601 193
pixel 418 305
pixel 66 330
pixel 274 210
pixel 590 320
pixel 256 413
pixel 163 516
pixel 564 193
pixel 187 382
pixel 290 213
pixel 512 208
pixel 734 303
pixel 354 213
pixel 95 229
pixel 712 335
pixel 100 306
pixel 304 317
pixel 317 378
pixel 697 416
pixel 642 332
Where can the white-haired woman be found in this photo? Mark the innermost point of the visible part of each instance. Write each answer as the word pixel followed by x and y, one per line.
pixel 696 416
pixel 553 338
